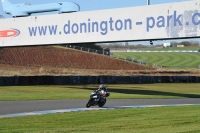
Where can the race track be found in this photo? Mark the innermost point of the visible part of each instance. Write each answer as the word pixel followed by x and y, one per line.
pixel 13 107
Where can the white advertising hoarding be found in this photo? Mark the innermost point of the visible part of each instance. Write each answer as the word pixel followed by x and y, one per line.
pixel 163 21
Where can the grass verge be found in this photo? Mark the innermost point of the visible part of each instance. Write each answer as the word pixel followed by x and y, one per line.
pixel 185 119
pixel 166 60
pixel 124 91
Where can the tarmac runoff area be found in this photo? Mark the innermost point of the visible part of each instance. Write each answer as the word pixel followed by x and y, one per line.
pixel 30 108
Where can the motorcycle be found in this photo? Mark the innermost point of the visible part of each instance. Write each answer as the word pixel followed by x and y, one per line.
pixel 97 98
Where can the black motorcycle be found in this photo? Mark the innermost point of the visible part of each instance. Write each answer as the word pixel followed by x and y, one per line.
pixel 97 98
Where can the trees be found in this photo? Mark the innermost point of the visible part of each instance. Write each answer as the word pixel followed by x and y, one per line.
pixel 189 43
pixel 174 44
pixel 194 43
pixel 185 43
pixel 127 45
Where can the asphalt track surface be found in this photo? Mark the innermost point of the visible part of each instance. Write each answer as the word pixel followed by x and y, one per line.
pixel 12 107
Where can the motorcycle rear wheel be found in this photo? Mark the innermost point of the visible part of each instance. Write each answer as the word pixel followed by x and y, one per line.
pixel 102 104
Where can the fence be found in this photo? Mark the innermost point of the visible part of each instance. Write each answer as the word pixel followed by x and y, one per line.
pixel 89 50
pixel 106 52
pixel 129 59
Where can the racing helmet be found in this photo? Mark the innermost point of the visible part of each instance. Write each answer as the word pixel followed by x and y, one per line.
pixel 101 86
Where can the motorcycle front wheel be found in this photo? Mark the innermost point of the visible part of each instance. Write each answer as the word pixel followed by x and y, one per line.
pixel 88 104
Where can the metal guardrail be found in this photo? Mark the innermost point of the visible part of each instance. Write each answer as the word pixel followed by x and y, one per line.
pixel 129 59
pixel 142 62
pixel 103 52
pixel 89 50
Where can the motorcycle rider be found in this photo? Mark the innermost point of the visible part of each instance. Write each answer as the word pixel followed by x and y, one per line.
pixel 103 90
pixel 98 97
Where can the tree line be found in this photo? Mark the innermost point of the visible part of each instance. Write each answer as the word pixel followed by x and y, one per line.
pixel 139 46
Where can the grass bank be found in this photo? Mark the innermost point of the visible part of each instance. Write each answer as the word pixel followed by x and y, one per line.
pixel 166 60
pixel 123 91
pixel 149 120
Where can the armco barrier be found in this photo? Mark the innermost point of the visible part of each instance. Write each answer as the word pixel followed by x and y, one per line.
pixel 67 80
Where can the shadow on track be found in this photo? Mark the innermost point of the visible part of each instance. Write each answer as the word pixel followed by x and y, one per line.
pixel 137 90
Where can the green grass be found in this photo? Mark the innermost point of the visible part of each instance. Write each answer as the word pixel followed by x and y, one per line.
pixel 185 119
pixel 152 120
pixel 123 91
pixel 166 60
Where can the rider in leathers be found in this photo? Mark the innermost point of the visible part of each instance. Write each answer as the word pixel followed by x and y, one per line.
pixel 103 91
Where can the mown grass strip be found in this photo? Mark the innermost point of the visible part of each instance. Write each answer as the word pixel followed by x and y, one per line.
pixel 156 58
pixel 189 58
pixel 165 59
pixel 148 120
pixel 77 92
